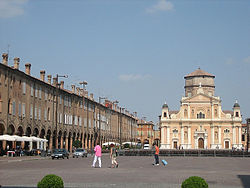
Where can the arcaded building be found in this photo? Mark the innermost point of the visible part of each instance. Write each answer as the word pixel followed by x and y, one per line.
pixel 43 108
pixel 201 123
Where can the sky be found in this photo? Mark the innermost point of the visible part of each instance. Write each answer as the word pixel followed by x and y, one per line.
pixel 134 51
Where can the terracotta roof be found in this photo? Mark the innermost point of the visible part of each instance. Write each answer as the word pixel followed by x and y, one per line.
pixel 173 112
pixel 228 112
pixel 199 72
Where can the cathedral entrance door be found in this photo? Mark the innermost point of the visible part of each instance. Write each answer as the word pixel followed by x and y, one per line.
pixel 201 143
pixel 226 144
pixel 175 145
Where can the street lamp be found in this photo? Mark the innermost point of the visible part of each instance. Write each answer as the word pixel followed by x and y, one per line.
pixel 100 98
pixel 57 84
pixel 84 83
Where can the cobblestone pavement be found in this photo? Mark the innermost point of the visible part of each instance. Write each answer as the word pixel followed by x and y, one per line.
pixel 133 172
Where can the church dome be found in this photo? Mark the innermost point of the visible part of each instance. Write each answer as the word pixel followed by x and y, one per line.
pixel 165 105
pixel 199 72
pixel 236 104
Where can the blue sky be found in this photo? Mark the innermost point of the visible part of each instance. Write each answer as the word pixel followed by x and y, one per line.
pixel 134 51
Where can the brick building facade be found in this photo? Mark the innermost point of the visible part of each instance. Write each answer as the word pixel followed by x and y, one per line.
pixel 35 107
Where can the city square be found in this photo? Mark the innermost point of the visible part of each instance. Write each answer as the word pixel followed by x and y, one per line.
pixel 133 172
pixel 134 80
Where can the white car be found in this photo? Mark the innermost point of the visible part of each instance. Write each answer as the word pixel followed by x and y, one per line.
pixel 146 146
pixel 80 153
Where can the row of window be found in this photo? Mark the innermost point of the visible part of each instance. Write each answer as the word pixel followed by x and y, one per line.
pixel 175 131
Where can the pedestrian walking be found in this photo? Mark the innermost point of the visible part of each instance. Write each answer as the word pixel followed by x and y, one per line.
pixel 156 154
pixel 114 163
pixel 98 155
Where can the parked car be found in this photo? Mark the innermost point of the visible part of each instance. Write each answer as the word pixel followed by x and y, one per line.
pixel 60 153
pixel 80 153
pixel 146 146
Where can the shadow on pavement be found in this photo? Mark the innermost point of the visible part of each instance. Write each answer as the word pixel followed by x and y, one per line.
pixel 245 179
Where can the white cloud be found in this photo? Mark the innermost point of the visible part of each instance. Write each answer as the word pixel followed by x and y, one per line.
pixel 133 77
pixel 247 59
pixel 11 8
pixel 162 5
pixel 229 61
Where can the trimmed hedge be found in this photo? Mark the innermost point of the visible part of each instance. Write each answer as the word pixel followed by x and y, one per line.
pixel 194 182
pixel 51 181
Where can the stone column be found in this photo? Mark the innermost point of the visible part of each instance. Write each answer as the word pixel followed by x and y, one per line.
pixel 67 143
pixel 182 135
pixel 189 111
pixel 37 145
pixel 220 135
pixel 167 131
pixel 234 135
pixel 56 142
pixel 189 137
pixel 61 143
pixel 212 115
pixel 212 134
pixel 22 145
pixel 31 146
pixel 71 141
pixel 239 137
pixel 4 144
pixel 50 142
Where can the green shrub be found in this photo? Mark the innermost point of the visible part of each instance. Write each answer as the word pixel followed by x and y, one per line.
pixel 77 144
pixel 194 182
pixel 51 181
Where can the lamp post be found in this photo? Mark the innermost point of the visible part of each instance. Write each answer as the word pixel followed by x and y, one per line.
pixel 116 102
pixel 84 83
pixel 57 84
pixel 100 98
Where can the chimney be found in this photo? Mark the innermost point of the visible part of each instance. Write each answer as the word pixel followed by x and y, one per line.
pixel 16 63
pixel 27 68
pixel 81 92
pixel 91 96
pixel 62 84
pixel 78 91
pixel 42 75
pixel 49 79
pixel 54 82
pixel 86 93
pixel 73 88
pixel 5 58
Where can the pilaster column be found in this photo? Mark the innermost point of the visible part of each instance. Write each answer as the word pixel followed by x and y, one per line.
pixel 67 143
pixel 163 136
pixel 182 135
pixel 212 134
pixel 212 115
pixel 239 136
pixel 219 112
pixel 234 135
pixel 168 134
pixel 189 136
pixel 37 145
pixel 219 134
pixel 189 112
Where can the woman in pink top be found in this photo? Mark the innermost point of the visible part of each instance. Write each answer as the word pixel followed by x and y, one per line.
pixel 98 155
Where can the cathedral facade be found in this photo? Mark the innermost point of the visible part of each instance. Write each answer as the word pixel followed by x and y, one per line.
pixel 201 123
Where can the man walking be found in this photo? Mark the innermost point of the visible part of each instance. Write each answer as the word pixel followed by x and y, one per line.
pixel 98 154
pixel 156 154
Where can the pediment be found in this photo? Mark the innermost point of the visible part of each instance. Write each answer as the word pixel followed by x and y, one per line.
pixel 200 98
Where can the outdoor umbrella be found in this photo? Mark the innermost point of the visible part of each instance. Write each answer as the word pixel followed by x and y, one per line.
pixel 6 137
